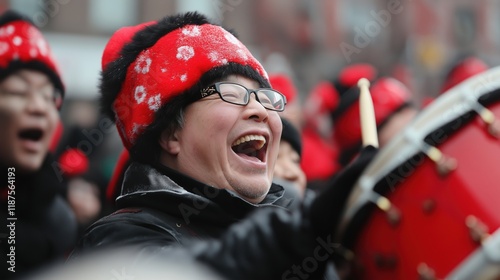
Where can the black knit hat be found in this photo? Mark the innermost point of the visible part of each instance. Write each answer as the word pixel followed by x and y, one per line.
pixel 291 135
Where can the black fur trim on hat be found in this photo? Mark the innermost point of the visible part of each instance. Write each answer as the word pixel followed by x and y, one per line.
pixel 10 16
pixel 341 88
pixel 347 99
pixel 291 135
pixel 114 74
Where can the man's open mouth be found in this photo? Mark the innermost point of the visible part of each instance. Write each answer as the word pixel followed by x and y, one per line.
pixel 31 134
pixel 252 146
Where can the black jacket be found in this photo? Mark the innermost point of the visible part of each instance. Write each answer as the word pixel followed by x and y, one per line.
pixel 237 239
pixel 44 228
pixel 153 203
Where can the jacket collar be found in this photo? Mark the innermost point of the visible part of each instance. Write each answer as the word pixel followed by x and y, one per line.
pixel 164 188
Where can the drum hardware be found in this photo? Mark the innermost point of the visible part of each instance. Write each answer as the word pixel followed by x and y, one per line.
pixel 488 118
pixel 494 129
pixel 428 205
pixel 444 164
pixel 425 272
pixel 478 231
pixel 384 204
pixel 385 261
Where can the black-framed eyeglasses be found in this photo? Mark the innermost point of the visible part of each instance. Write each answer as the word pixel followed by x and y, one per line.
pixel 239 95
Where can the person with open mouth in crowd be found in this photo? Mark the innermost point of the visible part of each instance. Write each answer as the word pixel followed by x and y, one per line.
pixel 41 226
pixel 200 121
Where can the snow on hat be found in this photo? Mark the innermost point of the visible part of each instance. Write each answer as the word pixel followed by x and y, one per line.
pixel 22 46
pixel 388 95
pixel 145 66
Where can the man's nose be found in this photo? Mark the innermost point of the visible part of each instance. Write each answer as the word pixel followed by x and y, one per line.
pixel 256 107
pixel 37 104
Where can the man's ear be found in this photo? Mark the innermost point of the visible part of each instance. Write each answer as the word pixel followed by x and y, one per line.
pixel 169 142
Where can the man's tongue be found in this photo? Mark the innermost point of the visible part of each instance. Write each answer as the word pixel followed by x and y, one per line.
pixel 247 151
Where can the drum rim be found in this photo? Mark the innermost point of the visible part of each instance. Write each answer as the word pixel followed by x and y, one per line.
pixel 458 97
pixel 478 261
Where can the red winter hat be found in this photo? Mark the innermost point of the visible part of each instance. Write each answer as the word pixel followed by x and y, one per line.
pixel 323 97
pixel 74 162
pixel 350 75
pixel 463 70
pixel 388 95
pixel 22 46
pixel 145 66
pixel 284 84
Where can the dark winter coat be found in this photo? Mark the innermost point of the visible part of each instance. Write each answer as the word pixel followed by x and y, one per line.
pixel 153 205
pixel 238 239
pixel 44 228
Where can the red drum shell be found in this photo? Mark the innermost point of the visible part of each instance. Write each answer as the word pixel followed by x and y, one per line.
pixel 432 232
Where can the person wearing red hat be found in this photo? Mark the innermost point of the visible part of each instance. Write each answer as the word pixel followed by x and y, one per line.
pixel 393 110
pixel 41 227
pixel 462 69
pixel 200 122
pixel 349 76
pixel 319 160
pixel 284 84
pixel 321 152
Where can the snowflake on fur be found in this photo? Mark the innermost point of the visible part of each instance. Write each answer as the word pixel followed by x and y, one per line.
pixel 7 31
pixel 215 57
pixel 143 63
pixel 137 129
pixel 33 52
pixel 231 39
pixel 191 31
pixel 185 53
pixel 241 53
pixel 154 102
pixel 4 48
pixel 37 40
pixel 140 94
pixel 17 41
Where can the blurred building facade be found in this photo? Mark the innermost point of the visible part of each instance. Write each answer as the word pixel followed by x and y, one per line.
pixel 311 40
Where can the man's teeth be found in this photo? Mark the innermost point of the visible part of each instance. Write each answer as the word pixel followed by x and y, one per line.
pixel 261 141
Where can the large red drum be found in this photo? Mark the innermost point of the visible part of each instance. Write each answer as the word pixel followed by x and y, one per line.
pixel 428 206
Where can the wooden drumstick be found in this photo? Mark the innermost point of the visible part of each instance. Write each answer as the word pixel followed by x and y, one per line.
pixel 367 114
